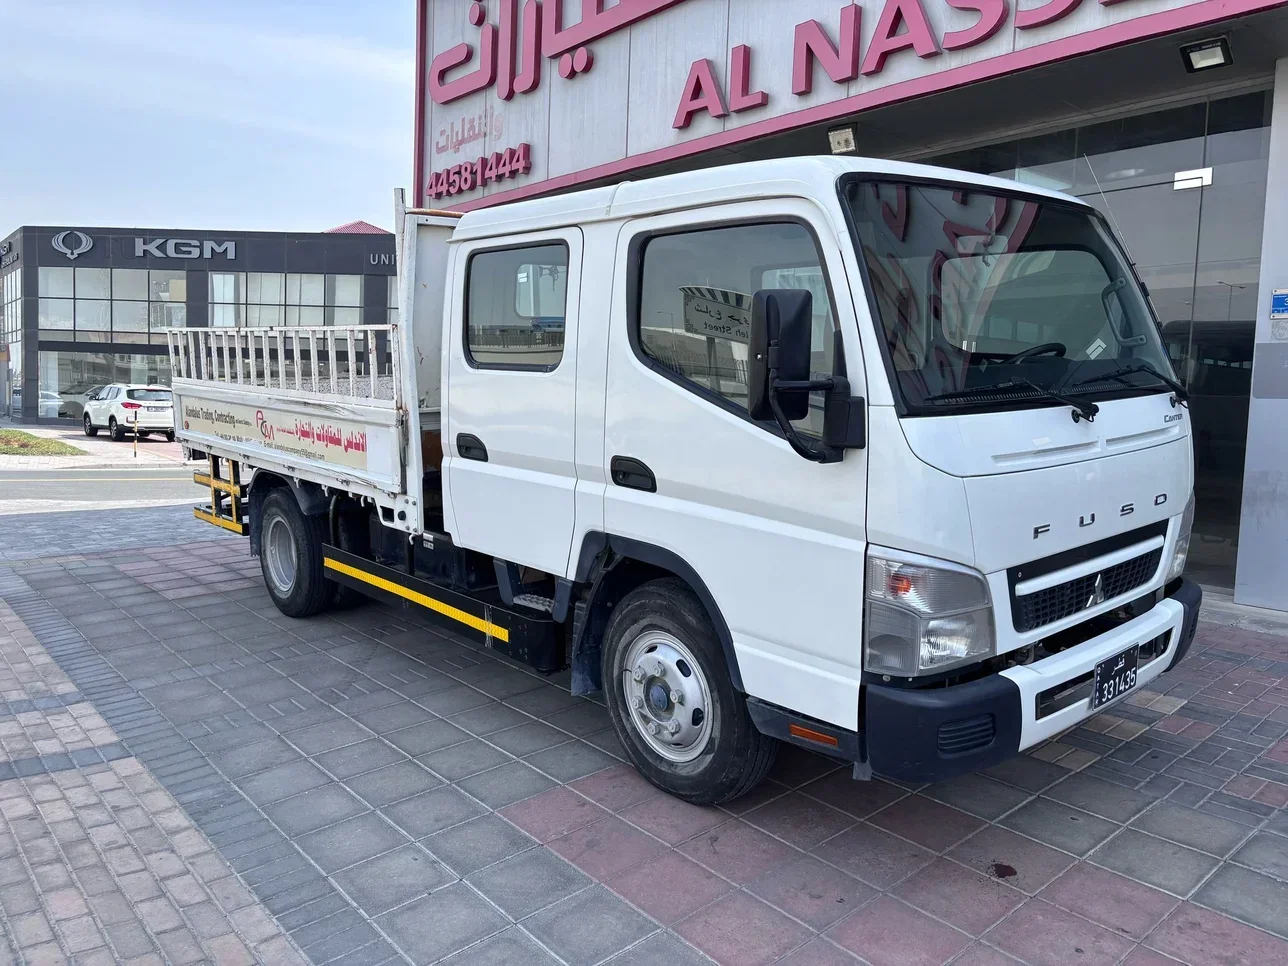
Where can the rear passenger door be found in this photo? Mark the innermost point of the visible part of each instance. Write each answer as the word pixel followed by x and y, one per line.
pixel 509 412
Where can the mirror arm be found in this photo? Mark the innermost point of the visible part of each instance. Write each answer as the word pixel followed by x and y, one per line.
pixel 823 454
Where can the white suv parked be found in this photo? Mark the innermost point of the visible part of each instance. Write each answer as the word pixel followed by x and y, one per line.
pixel 121 408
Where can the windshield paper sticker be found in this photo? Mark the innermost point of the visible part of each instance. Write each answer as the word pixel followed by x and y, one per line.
pixel 1094 350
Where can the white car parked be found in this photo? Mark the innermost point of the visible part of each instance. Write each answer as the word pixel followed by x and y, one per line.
pixel 122 408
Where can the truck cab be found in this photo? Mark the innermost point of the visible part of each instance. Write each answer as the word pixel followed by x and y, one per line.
pixel 884 460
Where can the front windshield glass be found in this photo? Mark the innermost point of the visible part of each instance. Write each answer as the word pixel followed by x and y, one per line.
pixel 988 300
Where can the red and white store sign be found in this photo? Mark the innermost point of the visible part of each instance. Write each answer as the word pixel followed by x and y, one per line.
pixel 595 88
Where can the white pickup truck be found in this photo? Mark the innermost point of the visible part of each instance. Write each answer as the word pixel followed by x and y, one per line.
pixel 884 460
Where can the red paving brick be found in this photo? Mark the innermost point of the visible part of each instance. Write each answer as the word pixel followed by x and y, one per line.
pixel 1113 901
pixel 1019 862
pixel 1198 937
pixel 859 799
pixel 1140 956
pixel 1044 935
pixel 960 897
pixel 672 820
pixel 742 931
pixel 553 813
pixel 801 821
pixel 668 886
pixel 929 824
pixel 812 891
pixel 605 848
pixel 983 955
pixel 886 932
pixel 795 766
pixel 875 856
pixel 819 952
pixel 616 788
pixel 737 851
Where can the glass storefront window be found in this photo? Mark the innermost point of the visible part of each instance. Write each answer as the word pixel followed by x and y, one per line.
pixel 343 316
pixel 264 316
pixel 55 313
pixel 71 375
pixel 168 286
pixel 305 315
pixel 344 290
pixel 266 288
pixel 93 315
pixel 228 287
pixel 93 283
pixel 130 284
pixel 306 290
pixel 56 283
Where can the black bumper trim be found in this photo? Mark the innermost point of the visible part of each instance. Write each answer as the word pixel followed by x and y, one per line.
pixel 922 735
pixel 1190 596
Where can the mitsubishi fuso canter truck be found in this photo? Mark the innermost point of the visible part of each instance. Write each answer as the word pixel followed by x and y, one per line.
pixel 883 460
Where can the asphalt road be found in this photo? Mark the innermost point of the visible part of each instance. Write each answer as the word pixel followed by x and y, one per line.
pixel 161 485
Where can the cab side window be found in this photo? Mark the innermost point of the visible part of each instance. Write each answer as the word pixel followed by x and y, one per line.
pixel 515 304
pixel 695 290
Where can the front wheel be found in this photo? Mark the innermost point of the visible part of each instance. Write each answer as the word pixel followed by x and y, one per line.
pixel 114 430
pixel 290 555
pixel 90 428
pixel 672 702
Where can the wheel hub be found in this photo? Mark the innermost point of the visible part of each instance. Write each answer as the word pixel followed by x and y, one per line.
pixel 667 696
pixel 279 550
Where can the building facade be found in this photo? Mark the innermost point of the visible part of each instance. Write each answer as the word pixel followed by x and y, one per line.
pixel 1171 116
pixel 83 307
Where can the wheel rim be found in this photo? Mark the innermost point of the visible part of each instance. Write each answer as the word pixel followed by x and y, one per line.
pixel 279 552
pixel 87 422
pixel 668 700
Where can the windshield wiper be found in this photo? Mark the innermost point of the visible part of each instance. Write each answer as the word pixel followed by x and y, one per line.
pixel 1081 408
pixel 1120 375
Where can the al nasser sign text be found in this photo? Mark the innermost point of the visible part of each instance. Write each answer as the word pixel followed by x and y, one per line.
pixel 511 56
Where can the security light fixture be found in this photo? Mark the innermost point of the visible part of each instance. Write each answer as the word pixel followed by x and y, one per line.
pixel 843 140
pixel 1207 54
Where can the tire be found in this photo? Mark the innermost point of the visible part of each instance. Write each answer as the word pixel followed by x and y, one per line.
pixel 290 556
pixel 90 428
pixel 169 435
pixel 709 759
pixel 114 430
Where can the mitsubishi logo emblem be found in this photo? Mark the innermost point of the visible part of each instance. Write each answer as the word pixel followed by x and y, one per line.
pixel 73 244
pixel 1097 594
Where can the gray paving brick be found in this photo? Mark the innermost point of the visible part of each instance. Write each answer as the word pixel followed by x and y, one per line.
pixel 506 784
pixel 315 809
pixel 1190 827
pixel 283 781
pixel 351 841
pixel 470 846
pixel 1248 896
pixel 436 925
pixel 359 758
pixel 528 881
pixel 1157 862
pixel 509 946
pixel 432 811
pixel 589 926
pixel 1266 853
pixel 1056 824
pixel 463 759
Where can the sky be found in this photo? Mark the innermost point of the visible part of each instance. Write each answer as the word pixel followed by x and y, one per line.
pixel 284 115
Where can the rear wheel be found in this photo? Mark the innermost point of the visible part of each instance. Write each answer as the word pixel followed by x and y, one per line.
pixel 672 702
pixel 114 430
pixel 90 428
pixel 290 555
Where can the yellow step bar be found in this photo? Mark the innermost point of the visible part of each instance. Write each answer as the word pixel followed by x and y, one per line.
pixel 228 517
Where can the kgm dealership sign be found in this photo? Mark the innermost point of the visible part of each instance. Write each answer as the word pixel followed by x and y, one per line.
pixel 517 96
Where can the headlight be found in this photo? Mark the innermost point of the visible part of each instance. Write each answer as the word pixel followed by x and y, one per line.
pixel 923 615
pixel 1182 549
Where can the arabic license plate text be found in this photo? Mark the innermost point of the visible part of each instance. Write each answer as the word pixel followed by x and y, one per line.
pixel 156 409
pixel 1115 676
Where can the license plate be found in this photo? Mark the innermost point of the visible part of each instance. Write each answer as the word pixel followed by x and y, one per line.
pixel 156 409
pixel 1115 676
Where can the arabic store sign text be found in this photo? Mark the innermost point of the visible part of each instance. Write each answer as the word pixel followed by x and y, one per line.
pixel 509 55
pixel 717 313
pixel 469 175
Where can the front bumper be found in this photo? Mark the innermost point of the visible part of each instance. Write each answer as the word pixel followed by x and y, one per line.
pixel 926 735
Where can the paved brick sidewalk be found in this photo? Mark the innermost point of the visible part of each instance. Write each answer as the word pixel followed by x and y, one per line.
pixel 84 534
pixel 99 451
pixel 386 792
pixel 98 863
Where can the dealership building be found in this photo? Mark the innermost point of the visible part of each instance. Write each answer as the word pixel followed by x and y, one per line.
pixel 83 307
pixel 1170 116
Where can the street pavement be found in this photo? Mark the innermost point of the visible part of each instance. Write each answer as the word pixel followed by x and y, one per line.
pixel 109 488
pixel 189 776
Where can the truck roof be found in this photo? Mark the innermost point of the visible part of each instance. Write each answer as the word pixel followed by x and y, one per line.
pixel 800 176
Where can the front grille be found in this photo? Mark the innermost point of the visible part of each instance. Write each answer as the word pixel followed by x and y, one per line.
pixel 968 734
pixel 1031 611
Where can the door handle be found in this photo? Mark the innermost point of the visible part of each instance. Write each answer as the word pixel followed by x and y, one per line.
pixel 471 447
pixel 632 474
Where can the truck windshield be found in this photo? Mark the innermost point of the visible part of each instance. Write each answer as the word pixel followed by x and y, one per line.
pixel 988 300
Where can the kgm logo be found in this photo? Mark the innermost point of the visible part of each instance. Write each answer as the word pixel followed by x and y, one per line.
pixel 73 244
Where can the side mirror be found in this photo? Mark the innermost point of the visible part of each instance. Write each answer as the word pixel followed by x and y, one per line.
pixel 781 322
